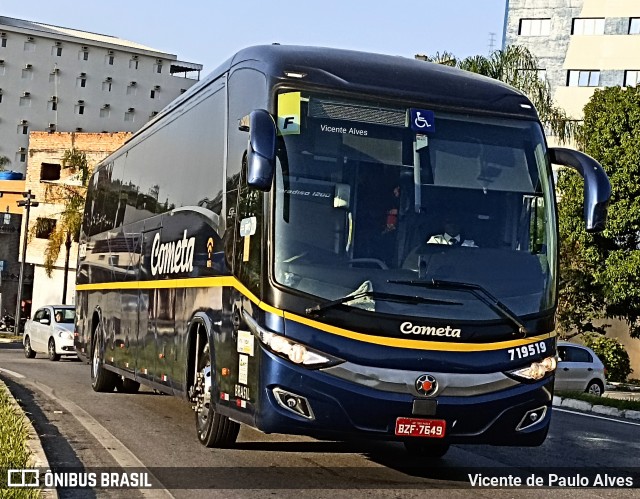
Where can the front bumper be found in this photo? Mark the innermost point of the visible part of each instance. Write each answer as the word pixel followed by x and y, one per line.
pixel 344 408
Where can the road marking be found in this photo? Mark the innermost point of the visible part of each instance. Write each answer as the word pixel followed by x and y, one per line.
pixel 597 417
pixel 11 373
pixel 122 455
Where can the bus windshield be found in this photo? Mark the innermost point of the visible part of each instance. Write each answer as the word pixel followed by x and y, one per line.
pixel 373 200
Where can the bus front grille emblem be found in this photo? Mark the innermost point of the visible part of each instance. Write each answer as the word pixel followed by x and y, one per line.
pixel 426 385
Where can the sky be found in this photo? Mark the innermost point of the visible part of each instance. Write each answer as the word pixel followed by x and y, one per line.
pixel 210 31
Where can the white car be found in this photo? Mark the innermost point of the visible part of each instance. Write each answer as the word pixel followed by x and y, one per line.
pixel 50 331
pixel 579 369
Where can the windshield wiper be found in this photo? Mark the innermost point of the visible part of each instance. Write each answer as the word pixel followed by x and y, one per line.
pixel 475 289
pixel 316 309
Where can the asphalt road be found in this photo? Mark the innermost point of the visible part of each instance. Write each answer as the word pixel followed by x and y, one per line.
pixel 81 429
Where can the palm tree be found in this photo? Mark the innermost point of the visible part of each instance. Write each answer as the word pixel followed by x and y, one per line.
pixel 518 67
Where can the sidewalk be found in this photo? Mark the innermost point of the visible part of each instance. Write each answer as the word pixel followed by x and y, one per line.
pixel 613 391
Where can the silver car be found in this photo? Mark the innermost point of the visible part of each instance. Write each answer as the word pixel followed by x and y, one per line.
pixel 579 369
pixel 50 332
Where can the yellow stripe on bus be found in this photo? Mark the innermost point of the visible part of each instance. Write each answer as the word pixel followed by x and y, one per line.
pixel 208 282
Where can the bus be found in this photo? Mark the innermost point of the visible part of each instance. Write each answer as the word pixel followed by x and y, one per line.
pixel 260 248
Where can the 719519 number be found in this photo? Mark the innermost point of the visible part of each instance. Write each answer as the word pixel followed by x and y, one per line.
pixel 527 350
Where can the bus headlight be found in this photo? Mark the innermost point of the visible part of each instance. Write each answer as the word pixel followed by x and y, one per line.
pixel 292 350
pixel 537 370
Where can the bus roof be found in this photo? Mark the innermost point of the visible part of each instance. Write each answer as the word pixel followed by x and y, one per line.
pixel 393 77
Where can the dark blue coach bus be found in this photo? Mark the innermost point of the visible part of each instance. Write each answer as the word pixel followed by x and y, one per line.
pixel 272 248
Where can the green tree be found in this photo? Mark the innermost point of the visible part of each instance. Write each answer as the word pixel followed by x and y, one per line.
pixel 4 161
pixel 601 272
pixel 518 67
pixel 612 354
pixel 71 197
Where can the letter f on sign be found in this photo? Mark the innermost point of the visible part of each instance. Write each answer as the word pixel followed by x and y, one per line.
pixel 289 120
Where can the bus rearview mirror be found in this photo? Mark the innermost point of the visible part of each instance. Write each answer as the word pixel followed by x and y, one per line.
pixel 597 188
pixel 261 153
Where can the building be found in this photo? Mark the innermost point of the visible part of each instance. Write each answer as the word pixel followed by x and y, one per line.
pixel 45 173
pixel 581 44
pixel 61 79
pixel 55 79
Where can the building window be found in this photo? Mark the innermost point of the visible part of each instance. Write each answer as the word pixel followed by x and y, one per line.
pixel 535 27
pixel 25 100
pixel 631 78
pixel 106 85
pixel 0 96
pixel 588 26
pixel 129 115
pixel 583 78
pixel 109 59
pixel 634 26
pixel 81 81
pixel 30 45
pixel 132 88
pixel 3 42
pixel 23 129
pixel 157 67
pixel 45 227
pixel 21 155
pixel 83 55
pixel 50 171
pixel 56 50
pixel 53 76
pixel 80 107
pixel 52 105
pixel 133 62
pixel 105 111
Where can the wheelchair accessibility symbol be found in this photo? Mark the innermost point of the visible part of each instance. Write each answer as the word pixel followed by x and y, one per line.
pixel 422 121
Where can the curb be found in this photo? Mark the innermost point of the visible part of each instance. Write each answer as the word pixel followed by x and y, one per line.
pixel 581 405
pixel 38 458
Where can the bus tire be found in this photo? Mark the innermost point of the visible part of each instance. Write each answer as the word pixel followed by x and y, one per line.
pixel 101 379
pixel 427 450
pixel 213 429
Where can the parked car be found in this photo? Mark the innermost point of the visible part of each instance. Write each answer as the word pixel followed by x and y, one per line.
pixel 579 369
pixel 50 332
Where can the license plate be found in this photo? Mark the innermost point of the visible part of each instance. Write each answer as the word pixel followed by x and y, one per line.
pixel 413 427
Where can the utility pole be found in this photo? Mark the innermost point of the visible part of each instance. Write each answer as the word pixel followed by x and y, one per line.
pixel 67 245
pixel 27 203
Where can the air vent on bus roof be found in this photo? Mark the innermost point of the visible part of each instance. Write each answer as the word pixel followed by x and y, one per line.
pixel 320 108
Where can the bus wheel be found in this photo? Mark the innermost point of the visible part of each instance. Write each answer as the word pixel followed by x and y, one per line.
pixel 213 429
pixel 424 449
pixel 101 379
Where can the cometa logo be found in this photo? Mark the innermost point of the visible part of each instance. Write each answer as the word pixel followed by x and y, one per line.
pixel 409 328
pixel 172 257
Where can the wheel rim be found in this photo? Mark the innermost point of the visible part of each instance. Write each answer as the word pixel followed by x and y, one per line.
pixel 52 349
pixel 594 389
pixel 27 345
pixel 95 362
pixel 204 398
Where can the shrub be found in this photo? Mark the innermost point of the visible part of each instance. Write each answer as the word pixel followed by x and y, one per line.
pixel 612 354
